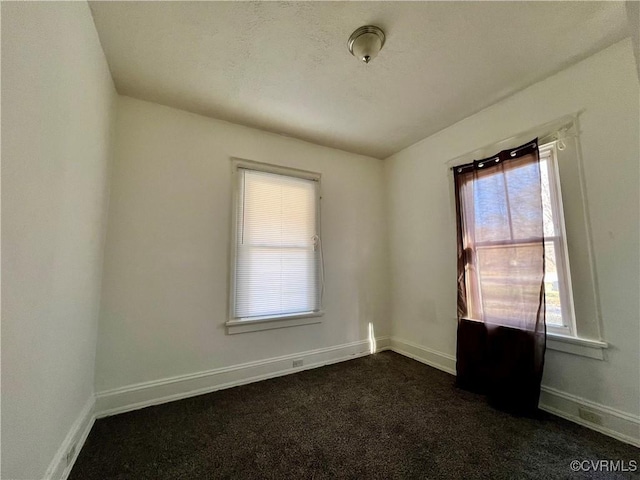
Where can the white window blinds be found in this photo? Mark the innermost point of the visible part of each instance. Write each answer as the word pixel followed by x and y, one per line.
pixel 277 245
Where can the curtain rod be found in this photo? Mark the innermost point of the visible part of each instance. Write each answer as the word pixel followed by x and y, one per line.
pixel 512 153
pixel 544 133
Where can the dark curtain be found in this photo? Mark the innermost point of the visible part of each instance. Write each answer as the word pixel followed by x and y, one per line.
pixel 501 325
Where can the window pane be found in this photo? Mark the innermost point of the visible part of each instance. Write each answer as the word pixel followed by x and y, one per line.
pixel 491 216
pixel 502 204
pixel 278 210
pixel 547 209
pixel 523 184
pixel 510 282
pixel 275 281
pixel 553 306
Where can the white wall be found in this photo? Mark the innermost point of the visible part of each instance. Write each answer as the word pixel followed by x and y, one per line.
pixel 422 219
pixel 57 109
pixel 165 290
pixel 633 14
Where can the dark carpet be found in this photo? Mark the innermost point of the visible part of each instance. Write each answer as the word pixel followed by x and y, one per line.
pixel 381 416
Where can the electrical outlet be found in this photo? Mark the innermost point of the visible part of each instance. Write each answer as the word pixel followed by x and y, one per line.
pixel 298 363
pixel 590 416
pixel 70 454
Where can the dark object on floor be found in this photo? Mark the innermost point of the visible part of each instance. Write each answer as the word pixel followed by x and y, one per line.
pixel 382 416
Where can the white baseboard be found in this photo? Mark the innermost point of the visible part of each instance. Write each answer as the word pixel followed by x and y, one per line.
pixel 59 468
pixel 156 392
pixel 433 358
pixel 619 425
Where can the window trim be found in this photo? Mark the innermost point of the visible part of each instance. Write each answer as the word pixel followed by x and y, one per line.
pixel 271 322
pixel 576 345
pixel 238 325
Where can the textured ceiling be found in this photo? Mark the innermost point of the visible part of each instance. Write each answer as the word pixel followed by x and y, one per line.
pixel 284 66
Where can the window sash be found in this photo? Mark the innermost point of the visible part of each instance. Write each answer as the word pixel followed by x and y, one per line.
pixel 565 297
pixel 548 152
pixel 305 276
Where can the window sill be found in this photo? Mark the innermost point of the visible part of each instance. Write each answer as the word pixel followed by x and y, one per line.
pixel 270 323
pixel 577 346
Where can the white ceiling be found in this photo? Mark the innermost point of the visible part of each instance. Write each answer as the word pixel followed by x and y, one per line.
pixel 284 66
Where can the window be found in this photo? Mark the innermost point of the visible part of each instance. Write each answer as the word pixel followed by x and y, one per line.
pixel 501 239
pixel 573 317
pixel 503 232
pixel 557 280
pixel 276 273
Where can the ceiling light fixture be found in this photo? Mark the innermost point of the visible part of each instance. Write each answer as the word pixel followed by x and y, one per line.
pixel 366 42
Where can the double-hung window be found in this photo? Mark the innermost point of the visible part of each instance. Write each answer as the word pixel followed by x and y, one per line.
pixel 502 210
pixel 276 271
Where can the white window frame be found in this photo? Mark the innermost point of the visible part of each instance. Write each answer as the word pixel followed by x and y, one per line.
pixel 238 325
pixel 549 151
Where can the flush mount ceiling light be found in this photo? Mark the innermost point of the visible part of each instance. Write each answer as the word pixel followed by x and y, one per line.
pixel 366 42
